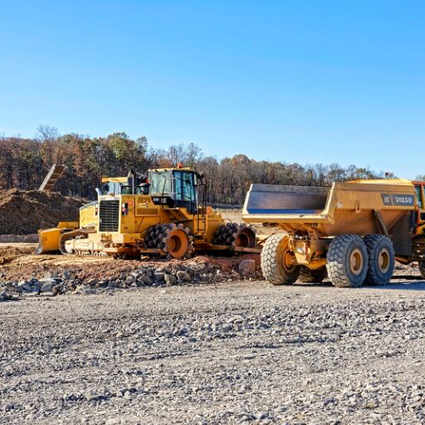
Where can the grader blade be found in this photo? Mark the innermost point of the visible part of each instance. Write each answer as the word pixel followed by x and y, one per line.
pixel 48 239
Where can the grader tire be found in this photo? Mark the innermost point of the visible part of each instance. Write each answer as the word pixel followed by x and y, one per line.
pixel 173 239
pixel 347 261
pixel 275 268
pixel 235 235
pixel 312 276
pixel 381 260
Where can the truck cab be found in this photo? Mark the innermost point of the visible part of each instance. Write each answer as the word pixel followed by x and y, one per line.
pixel 420 207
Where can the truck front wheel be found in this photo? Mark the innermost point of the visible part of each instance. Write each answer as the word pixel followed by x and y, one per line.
pixel 381 260
pixel 347 261
pixel 277 261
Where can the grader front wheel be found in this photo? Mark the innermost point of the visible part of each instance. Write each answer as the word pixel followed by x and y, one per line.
pixel 277 261
pixel 172 239
pixel 177 243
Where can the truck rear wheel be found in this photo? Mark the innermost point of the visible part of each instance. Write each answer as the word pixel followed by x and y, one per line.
pixel 312 276
pixel 347 261
pixel 277 261
pixel 381 260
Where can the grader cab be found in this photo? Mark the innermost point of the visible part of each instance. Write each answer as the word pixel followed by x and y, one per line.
pixel 352 231
pixel 162 213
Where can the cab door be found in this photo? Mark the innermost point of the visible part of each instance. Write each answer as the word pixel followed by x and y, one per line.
pixel 185 190
pixel 420 206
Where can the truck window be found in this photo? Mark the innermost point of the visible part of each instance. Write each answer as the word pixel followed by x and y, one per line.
pixel 418 195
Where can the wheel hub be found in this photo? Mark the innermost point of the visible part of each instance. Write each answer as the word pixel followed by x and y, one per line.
pixel 384 260
pixel 356 261
pixel 288 261
pixel 177 243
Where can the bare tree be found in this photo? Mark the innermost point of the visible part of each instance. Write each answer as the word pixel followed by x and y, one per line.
pixel 47 133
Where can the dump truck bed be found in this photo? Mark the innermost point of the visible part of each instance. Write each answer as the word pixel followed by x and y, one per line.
pixel 277 203
pixel 344 208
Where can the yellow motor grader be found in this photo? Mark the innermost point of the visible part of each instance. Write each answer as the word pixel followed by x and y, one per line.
pixel 163 213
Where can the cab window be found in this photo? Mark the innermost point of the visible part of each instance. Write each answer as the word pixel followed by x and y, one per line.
pixel 419 195
pixel 111 188
pixel 185 190
pixel 126 190
pixel 161 183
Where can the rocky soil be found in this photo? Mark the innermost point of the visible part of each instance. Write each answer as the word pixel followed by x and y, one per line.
pixel 229 352
pixel 34 275
pixel 25 212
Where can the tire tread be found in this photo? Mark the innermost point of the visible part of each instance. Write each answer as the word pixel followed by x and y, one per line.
pixel 336 260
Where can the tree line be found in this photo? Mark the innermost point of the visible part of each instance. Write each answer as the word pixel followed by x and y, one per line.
pixel 25 162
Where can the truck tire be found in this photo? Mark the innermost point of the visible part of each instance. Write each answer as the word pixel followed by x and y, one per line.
pixel 347 261
pixel 312 276
pixel 275 257
pixel 421 265
pixel 381 260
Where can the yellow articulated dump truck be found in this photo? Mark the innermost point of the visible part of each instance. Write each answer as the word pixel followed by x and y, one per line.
pixel 163 213
pixel 352 231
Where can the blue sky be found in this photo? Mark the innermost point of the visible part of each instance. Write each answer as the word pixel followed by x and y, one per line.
pixel 294 81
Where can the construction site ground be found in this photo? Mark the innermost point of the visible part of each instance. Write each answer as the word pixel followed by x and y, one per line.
pixel 215 350
pixel 240 352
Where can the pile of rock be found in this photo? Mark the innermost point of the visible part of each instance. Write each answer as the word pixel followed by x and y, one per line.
pixel 5 296
pixel 154 274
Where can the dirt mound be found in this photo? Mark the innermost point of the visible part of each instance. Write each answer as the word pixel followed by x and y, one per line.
pixel 11 252
pixel 24 212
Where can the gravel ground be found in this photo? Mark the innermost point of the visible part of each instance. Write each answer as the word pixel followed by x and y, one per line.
pixel 242 352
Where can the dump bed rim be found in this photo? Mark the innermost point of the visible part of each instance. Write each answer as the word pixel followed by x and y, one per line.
pixel 286 218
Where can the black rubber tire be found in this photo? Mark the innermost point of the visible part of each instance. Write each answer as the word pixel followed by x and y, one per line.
pixel 312 276
pixel 338 261
pixel 421 265
pixel 272 261
pixel 229 234
pixel 375 244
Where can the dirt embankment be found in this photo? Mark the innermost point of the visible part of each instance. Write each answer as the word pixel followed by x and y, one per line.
pixel 25 212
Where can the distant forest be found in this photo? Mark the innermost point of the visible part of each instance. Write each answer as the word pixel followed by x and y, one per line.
pixel 25 162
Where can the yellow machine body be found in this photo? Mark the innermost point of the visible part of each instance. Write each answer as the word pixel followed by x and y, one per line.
pixel 313 216
pixel 127 216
